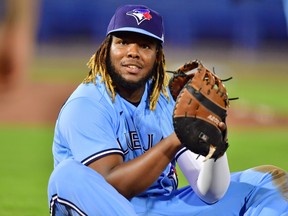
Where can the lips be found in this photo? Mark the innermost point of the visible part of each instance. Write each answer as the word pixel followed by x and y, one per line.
pixel 133 67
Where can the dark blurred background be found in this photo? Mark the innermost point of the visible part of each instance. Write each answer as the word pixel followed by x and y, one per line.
pixel 248 23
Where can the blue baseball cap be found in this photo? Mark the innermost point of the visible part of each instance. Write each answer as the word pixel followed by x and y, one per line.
pixel 139 19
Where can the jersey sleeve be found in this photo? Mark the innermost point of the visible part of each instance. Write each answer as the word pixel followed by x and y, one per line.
pixel 89 129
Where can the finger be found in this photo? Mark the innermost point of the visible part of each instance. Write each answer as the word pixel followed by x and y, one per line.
pixel 222 126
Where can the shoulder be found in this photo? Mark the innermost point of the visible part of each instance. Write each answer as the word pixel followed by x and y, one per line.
pixel 87 101
pixel 164 102
pixel 90 92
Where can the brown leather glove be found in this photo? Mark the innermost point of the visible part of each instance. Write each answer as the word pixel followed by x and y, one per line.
pixel 200 111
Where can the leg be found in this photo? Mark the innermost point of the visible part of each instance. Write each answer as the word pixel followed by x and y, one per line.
pixel 270 193
pixel 185 202
pixel 75 189
pixel 260 191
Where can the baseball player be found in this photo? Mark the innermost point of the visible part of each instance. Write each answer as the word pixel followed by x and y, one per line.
pixel 115 149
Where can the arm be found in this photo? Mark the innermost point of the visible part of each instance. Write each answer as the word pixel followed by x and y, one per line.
pixel 92 139
pixel 210 179
pixel 128 178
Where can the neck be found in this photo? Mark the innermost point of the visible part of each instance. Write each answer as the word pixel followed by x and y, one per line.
pixel 134 96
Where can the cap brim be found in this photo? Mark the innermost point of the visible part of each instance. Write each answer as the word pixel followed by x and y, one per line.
pixel 137 30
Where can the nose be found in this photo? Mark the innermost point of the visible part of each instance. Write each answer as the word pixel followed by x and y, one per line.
pixel 133 51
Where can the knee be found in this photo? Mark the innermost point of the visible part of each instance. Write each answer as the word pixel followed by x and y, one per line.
pixel 68 175
pixel 278 175
pixel 276 172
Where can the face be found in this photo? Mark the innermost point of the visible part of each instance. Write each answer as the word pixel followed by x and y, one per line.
pixel 132 60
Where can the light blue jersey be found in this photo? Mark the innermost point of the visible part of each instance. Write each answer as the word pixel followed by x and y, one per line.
pixel 91 126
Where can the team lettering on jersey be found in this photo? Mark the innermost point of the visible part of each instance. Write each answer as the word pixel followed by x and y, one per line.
pixel 134 143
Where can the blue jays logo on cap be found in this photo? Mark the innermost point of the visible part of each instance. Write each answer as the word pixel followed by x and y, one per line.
pixel 140 15
pixel 123 20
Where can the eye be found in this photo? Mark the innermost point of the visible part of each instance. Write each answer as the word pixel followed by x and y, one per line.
pixel 145 46
pixel 123 42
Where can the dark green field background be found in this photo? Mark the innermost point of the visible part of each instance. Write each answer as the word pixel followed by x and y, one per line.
pixel 259 79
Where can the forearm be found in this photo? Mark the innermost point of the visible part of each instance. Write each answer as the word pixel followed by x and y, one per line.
pixel 190 167
pixel 214 179
pixel 208 179
pixel 128 178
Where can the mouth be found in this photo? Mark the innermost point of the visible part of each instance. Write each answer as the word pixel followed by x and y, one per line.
pixel 133 68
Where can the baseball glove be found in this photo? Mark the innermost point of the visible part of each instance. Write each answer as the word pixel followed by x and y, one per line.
pixel 199 116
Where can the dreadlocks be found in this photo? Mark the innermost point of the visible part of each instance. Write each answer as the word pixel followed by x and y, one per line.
pixel 98 66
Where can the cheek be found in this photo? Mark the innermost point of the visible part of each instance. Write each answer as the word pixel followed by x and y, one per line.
pixel 114 57
pixel 151 60
pixel 115 52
